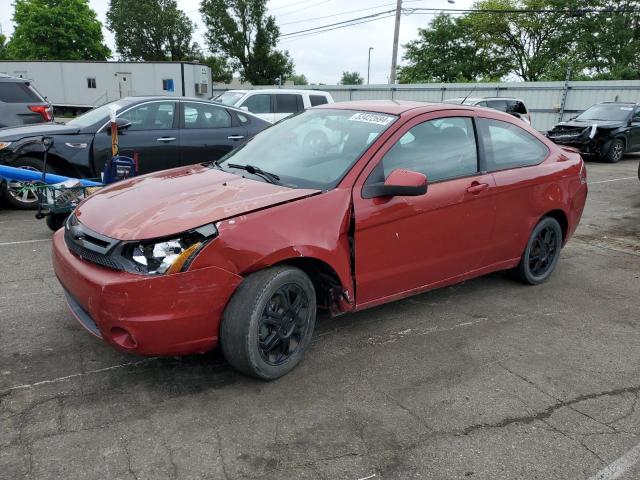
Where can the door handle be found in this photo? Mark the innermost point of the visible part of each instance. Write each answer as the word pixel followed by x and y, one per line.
pixel 166 139
pixel 477 188
pixel 235 137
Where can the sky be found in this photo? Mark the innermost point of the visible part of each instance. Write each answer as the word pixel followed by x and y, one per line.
pixel 323 57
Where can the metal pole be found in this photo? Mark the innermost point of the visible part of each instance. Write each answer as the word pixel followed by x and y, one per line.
pixel 396 34
pixel 369 65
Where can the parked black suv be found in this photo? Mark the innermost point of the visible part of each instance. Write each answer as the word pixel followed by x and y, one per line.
pixel 605 131
pixel 21 104
pixel 165 132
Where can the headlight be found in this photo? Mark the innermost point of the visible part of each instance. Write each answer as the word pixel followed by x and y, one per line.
pixel 156 257
pixel 4 145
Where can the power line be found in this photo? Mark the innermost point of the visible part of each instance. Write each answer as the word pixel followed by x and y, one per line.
pixel 298 37
pixel 293 4
pixel 303 8
pixel 335 15
pixel 373 15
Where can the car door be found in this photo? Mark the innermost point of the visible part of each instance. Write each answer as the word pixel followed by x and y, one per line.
pixel 153 135
pixel 286 104
pixel 512 155
pixel 208 132
pixel 260 104
pixel 634 133
pixel 404 244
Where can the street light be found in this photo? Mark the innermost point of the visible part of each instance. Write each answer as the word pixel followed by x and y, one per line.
pixel 369 65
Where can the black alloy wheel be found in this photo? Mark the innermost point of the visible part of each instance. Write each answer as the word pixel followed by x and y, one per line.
pixel 284 321
pixel 542 252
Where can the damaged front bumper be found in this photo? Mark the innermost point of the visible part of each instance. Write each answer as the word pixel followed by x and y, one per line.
pixel 176 314
pixel 587 140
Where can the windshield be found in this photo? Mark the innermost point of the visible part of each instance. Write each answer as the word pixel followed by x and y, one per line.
pixel 229 98
pixel 618 113
pixel 313 149
pixel 98 114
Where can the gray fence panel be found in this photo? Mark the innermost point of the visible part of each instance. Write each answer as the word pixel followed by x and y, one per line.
pixel 544 99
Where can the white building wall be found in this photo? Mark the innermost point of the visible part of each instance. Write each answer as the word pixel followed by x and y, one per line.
pixel 66 83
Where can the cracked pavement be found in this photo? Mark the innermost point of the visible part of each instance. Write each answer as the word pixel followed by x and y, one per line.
pixel 489 379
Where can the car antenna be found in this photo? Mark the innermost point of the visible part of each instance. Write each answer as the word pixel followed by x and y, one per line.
pixel 469 94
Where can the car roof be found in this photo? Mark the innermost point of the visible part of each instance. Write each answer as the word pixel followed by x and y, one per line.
pixel 281 90
pixel 617 103
pixel 391 107
pixel 9 78
pixel 481 99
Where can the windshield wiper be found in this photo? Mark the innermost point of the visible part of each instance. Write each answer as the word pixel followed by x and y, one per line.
pixel 253 170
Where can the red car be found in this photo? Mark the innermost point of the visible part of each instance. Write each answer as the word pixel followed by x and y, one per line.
pixel 342 207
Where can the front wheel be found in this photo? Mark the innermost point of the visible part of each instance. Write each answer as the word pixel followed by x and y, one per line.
pixel 268 324
pixel 541 255
pixel 24 195
pixel 55 221
pixel 615 152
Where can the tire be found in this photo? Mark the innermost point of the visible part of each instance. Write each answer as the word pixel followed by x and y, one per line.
pixel 615 152
pixel 28 200
pixel 254 342
pixel 541 255
pixel 55 221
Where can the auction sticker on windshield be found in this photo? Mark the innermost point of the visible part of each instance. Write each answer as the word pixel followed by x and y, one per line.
pixel 376 118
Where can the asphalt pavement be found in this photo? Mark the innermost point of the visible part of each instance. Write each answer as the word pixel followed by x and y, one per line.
pixel 488 379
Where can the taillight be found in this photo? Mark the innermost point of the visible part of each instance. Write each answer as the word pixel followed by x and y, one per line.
pixel 583 173
pixel 46 112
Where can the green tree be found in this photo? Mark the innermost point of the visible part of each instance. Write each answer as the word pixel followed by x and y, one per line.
pixel 351 78
pixel 152 30
pixel 56 30
pixel 221 72
pixel 446 52
pixel 241 31
pixel 4 55
pixel 298 79
pixel 535 45
pixel 608 42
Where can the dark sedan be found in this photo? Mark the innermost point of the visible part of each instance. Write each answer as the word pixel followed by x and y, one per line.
pixel 165 132
pixel 605 131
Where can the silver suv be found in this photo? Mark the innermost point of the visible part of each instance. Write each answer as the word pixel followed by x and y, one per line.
pixel 21 104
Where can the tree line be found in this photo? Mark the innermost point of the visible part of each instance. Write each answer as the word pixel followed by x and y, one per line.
pixel 531 40
pixel 594 39
pixel 240 35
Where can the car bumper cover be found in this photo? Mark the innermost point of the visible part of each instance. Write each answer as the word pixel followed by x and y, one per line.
pixel 175 314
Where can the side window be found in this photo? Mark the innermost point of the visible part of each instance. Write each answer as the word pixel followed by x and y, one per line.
pixel 317 100
pixel 636 115
pixel 258 103
pixel 497 105
pixel 202 115
pixel 243 119
pixel 441 149
pixel 509 146
pixel 482 104
pixel 288 103
pixel 151 116
pixel 520 108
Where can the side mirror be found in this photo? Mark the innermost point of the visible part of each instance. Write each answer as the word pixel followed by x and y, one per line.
pixel 245 108
pixel 399 183
pixel 121 123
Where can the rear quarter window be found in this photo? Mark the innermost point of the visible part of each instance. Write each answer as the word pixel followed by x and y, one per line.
pixel 318 100
pixel 18 92
pixel 288 103
pixel 509 146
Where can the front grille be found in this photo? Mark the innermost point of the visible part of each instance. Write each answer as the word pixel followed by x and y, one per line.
pixel 90 256
pixel 90 245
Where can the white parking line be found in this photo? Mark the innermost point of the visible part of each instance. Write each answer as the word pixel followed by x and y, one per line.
pixel 25 241
pixel 620 466
pixel 614 180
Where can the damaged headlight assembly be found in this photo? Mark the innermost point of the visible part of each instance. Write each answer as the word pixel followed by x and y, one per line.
pixel 170 255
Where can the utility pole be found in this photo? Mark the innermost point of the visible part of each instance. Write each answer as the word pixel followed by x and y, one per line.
pixel 369 65
pixel 396 34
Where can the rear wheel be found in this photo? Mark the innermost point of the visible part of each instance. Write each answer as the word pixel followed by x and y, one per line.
pixel 541 255
pixel 268 324
pixel 615 152
pixel 24 195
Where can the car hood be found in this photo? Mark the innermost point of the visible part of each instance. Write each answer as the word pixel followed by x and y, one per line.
pixel 17 133
pixel 173 201
pixel 589 123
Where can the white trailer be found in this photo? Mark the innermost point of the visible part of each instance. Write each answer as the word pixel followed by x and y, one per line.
pixel 80 85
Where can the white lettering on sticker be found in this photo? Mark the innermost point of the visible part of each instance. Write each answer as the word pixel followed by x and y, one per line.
pixel 376 118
